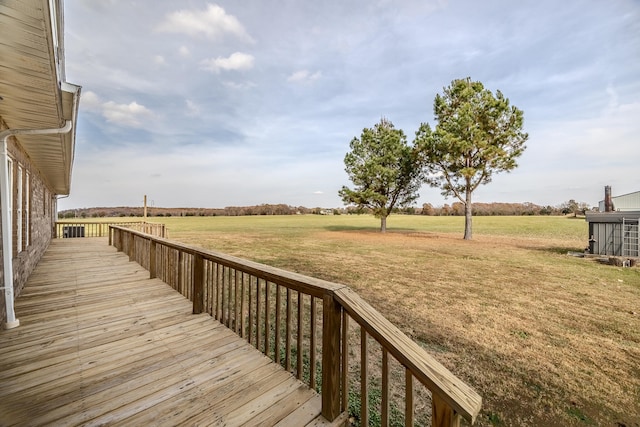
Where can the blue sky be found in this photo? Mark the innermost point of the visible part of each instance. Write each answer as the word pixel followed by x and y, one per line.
pixel 227 103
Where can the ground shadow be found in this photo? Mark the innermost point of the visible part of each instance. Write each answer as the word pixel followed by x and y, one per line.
pixel 367 229
pixel 562 250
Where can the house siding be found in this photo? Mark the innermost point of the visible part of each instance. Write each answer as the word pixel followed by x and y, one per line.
pixel 41 219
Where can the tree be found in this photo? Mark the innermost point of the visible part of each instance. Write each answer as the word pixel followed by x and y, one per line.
pixel 569 207
pixel 384 170
pixel 574 207
pixel 477 135
pixel 427 209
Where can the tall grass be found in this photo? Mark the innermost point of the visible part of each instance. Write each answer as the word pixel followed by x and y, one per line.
pixel 542 336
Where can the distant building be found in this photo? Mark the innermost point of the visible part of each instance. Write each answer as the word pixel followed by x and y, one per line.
pixel 624 203
pixel 614 229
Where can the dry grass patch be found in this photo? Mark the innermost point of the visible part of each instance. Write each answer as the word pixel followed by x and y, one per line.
pixel 546 339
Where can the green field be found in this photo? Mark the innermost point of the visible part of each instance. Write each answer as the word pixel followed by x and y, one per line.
pixel 545 338
pixel 550 227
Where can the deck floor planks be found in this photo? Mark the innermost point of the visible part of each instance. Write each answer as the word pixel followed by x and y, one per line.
pixel 212 394
pixel 101 343
pixel 98 377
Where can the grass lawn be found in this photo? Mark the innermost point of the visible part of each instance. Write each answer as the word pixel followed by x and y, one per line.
pixel 545 338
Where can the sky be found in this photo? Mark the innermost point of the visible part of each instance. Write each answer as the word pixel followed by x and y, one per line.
pixel 236 103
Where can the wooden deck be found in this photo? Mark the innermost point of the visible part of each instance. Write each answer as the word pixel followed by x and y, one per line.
pixel 99 343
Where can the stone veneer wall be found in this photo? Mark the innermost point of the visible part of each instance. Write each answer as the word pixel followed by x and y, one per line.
pixel 42 213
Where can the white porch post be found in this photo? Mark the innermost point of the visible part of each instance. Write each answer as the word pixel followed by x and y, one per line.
pixel 7 248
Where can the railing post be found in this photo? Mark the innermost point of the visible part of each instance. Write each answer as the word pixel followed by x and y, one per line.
pixel 442 415
pixel 198 283
pixel 110 233
pixel 331 315
pixel 152 259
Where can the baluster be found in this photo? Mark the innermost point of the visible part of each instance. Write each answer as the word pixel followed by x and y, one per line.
pixel 408 398
pixel 223 316
pixel 299 343
pixel 229 296
pixel 250 333
pixel 344 373
pixel 218 292
pixel 242 306
pixel 364 379
pixel 312 345
pixel 236 302
pixel 258 328
pixel 180 281
pixel 287 345
pixel 152 259
pixel 385 388
pixel 278 323
pixel 267 317
pixel 132 251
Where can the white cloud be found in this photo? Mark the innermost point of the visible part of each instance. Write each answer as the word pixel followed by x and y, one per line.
pixel 159 59
pixel 192 108
pixel 304 76
pixel 184 51
pixel 213 23
pixel 237 61
pixel 90 101
pixel 130 114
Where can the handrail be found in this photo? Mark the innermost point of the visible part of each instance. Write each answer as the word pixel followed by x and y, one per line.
pixel 461 397
pixel 248 297
pixel 64 229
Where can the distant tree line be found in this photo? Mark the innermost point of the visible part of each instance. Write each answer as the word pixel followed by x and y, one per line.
pixel 454 209
pixel 263 209
pixel 504 209
pixel 486 209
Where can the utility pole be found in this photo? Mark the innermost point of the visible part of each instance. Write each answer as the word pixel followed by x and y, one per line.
pixel 145 207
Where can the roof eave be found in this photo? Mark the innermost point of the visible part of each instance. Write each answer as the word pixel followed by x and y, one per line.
pixel 36 95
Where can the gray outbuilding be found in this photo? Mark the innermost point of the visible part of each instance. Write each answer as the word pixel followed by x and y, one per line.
pixel 614 233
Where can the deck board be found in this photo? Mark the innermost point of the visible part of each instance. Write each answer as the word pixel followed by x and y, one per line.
pixel 101 343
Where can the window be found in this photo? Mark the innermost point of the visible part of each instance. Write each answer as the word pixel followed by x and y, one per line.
pixel 10 175
pixel 19 210
pixel 27 218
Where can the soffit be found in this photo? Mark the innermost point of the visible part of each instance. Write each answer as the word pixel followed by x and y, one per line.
pixel 31 87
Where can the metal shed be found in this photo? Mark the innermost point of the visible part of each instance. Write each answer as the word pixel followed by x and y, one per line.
pixel 625 203
pixel 614 233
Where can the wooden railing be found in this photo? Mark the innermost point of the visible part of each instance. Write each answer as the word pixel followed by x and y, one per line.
pixel 75 229
pixel 304 324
